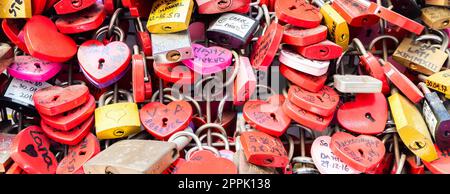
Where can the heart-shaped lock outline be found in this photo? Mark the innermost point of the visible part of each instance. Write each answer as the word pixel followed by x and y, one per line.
pixel 33 69
pixel 71 137
pixel 55 100
pixel 217 59
pixel 297 36
pixel 298 13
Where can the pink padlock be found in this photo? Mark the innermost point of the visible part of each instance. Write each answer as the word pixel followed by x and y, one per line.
pixel 33 69
pixel 209 60
pixel 245 83
pixel 448 34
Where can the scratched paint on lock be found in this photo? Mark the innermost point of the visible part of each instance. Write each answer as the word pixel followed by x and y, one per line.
pixel 33 69
pixel 266 47
pixel 209 60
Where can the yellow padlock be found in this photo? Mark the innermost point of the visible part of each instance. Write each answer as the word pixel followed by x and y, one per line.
pixel 411 127
pixel 15 9
pixel 436 17
pixel 337 26
pixel 116 120
pixel 168 16
pixel 438 2
pixel 439 81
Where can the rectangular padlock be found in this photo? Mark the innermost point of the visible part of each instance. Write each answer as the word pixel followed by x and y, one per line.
pixel 220 6
pixel 232 30
pixel 420 56
pixel 133 157
pixel 337 26
pixel 438 2
pixel 171 48
pixel 245 83
pixel 168 16
pixel 357 84
pixel 15 9
pixel 440 82
pixel 435 17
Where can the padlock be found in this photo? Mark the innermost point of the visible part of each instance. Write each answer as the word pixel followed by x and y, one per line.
pixel 436 17
pixel 70 137
pixel 386 163
pixel 408 8
pixel 208 60
pixel 439 166
pixel 438 2
pixel 79 154
pixel 233 30
pixel 174 73
pixel 13 29
pixel 168 16
pixel 304 80
pixel 337 26
pixel 220 6
pixel 15 169
pixel 297 36
pixel 414 165
pixel 116 120
pixel 266 47
pixel 83 21
pixel 143 37
pixel 6 141
pixel 298 13
pixel 306 118
pixel 171 48
pixel 142 86
pixel 325 50
pixel 357 84
pixel 437 117
pixel 55 100
pixel 38 6
pixel 439 81
pixel 72 6
pixel 138 8
pixel 33 69
pixel 31 151
pixel 420 57
pixel 355 13
pixel 245 82
pixel 16 9
pixel 294 60
pixel 303 164
pixel 411 127
pixel 225 153
pixel 323 102
pixel 6 56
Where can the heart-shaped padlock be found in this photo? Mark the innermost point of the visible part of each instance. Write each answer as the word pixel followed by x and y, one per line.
pixel 33 69
pixel 266 47
pixel 83 21
pixel 201 164
pixel 55 100
pixel 305 118
pixel 304 80
pixel 209 60
pixel 71 137
pixel 174 73
pixel 53 46
pixel 71 6
pixel 267 116
pixel 439 166
pixel 322 103
pixel 78 155
pixel 298 13
pixel 31 151
pixel 12 30
pixel 107 83
pixel 162 121
pixel 362 153
pixel 325 50
pixel 367 114
pixel 263 150
pixel 297 36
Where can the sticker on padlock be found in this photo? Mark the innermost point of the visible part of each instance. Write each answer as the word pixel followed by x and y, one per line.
pixel 31 151
pixel 78 155
pixel 439 81
pixel 436 17
pixel 174 73
pixel 220 6
pixel 305 118
pixel 13 30
pixel 23 91
pixel 357 84
pixel 367 114
pixel 208 60
pixel 6 141
pixel 83 21
pixel 245 82
pixel 304 80
pixel 325 50
pixel 171 48
pixel 168 16
pixel 55 100
pixel 439 166
pixel 294 60
pixel 16 9
pixel 266 47
pixel 71 6
pixel 298 13
pixel 263 150
pixel 297 36
pixel 70 137
pixel 32 69
pixel 323 102
pixel 355 13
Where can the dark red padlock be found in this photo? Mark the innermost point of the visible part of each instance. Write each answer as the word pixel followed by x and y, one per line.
pixel 305 118
pixel 413 167
pixel 38 6
pixel 325 50
pixel 266 47
pixel 72 6
pixel 55 100
pixel 323 102
pixel 83 21
pixel 78 155
pixel 71 137
pixel 138 83
pixel 384 167
pixel 298 13
pixel 201 164
pixel 263 150
pixel 297 36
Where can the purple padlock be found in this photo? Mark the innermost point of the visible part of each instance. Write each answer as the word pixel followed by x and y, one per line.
pixel 108 83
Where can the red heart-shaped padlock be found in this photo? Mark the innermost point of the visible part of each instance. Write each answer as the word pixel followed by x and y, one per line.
pixel 43 41
pixel 362 153
pixel 78 155
pixel 266 47
pixel 71 6
pixel 174 73
pixel 69 120
pixel 297 36
pixel 207 164
pixel 304 80
pixel 86 20
pixel 164 120
pixel 366 115
pixel 267 116
pixel 439 166
pixel 71 137
pixel 103 63
pixel 31 151
pixel 323 102
pixel 264 150
pixel 13 31
pixel 55 100
pixel 305 118
pixel 325 50
pixel 298 13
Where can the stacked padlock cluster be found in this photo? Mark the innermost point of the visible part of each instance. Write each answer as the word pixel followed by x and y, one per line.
pixel 177 86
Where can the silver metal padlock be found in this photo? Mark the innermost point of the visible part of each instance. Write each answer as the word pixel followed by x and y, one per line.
pixel 171 48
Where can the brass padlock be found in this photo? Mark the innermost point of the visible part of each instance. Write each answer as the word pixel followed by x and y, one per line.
pixel 171 48
pixel 15 9
pixel 436 17
pixel 439 81
pixel 168 16
pixel 422 57
pixel 438 2
pixel 116 120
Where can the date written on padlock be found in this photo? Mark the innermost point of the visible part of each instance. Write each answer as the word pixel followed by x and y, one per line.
pixel 168 16
pixel 440 82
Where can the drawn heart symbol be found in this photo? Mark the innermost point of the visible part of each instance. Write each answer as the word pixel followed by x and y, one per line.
pixel 33 69
pixel 78 155
pixel 362 153
pixel 31 151
pixel 440 166
pixel 55 100
pixel 164 120
pixel 103 63
pixel 366 115
pixel 324 159
pixel 71 137
pixel 116 115
pixel 267 116
pixel 45 42
pixel 202 164
pixel 208 60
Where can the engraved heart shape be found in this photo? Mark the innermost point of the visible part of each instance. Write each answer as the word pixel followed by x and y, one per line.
pixel 55 100
pixel 116 115
pixel 33 69
pixel 267 116
pixel 366 115
pixel 363 153
pixel 45 42
pixel 164 120
pixel 209 60
pixel 103 62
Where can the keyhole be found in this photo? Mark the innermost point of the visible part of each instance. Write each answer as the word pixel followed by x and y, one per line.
pixel 445 23
pixel 417 145
pixel 223 4
pixel 361 153
pixel 55 98
pixel 164 122
pixel 292 7
pixel 37 65
pixel 447 133
pixel 343 37
pixel 82 153
pixel 100 63
pixel 77 3
pixel 173 56
pixel 369 116
pixel 268 161
pixel 320 98
pixel 274 117
pixel 167 28
pixel 323 52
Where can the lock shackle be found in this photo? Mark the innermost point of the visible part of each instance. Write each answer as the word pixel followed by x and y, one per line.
pixel 401 164
pixel 104 96
pixel 359 46
pixel 114 20
pixel 219 135
pixel 211 125
pixel 390 130
pixel 220 109
pixel 383 37
pixel 319 3
pixel 266 15
pixel 339 60
pixel 432 37
pixel 118 31
pixel 76 82
pixel 205 147
pixel 424 88
pixel 260 12
pixel 291 145
pixel 138 25
pixel 304 169
pixel 259 86
pixel 156 94
pixel 186 134
pixel 256 3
